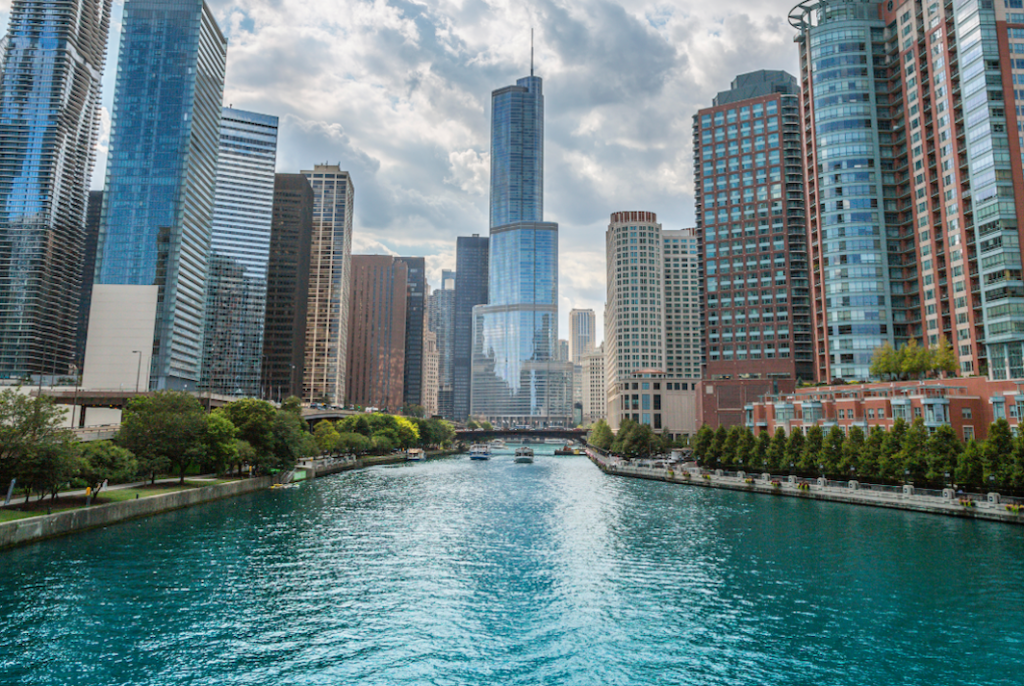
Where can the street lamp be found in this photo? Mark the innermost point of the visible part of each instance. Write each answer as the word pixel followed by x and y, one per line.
pixel 138 369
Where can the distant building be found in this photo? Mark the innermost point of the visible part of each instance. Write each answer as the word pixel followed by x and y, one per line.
pixel 441 321
pixel 415 328
pixel 652 324
pixel 431 377
pixel 236 291
pixel 52 60
pixel 376 347
pixel 562 354
pixel 582 334
pixel 291 237
pixel 592 385
pixel 161 182
pixel 329 283
pixel 472 253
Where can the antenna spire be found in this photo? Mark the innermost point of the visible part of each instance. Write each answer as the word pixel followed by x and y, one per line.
pixel 531 51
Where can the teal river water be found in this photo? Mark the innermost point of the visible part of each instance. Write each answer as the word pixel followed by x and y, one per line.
pixel 455 572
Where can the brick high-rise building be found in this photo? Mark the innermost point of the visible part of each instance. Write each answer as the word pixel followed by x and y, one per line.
pixel 749 193
pixel 376 330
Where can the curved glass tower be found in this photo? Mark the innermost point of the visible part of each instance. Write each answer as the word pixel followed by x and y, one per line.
pixel 517 152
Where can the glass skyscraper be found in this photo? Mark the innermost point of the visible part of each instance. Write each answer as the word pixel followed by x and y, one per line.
pixel 49 123
pixel 471 265
pixel 236 298
pixel 517 152
pixel 162 173
pixel 517 377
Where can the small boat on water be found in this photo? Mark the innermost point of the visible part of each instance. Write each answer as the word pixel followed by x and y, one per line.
pixel 553 441
pixel 480 451
pixel 567 449
pixel 415 455
pixel 524 455
pixel 498 444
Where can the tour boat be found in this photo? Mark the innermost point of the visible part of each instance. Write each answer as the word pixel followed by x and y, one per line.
pixel 524 455
pixel 567 449
pixel 498 444
pixel 415 455
pixel 554 441
pixel 480 451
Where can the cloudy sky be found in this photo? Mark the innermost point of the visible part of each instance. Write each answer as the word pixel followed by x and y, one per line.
pixel 398 93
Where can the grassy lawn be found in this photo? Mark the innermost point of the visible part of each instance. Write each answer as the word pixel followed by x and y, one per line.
pixel 11 515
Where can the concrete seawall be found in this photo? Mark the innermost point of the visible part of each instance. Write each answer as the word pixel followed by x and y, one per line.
pixel 906 500
pixel 32 529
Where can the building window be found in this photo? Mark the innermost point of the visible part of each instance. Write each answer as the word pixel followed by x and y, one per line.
pixel 968 433
pixel 966 413
pixel 842 414
pixel 917 412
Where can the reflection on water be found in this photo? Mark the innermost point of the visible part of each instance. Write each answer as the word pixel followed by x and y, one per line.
pixel 460 572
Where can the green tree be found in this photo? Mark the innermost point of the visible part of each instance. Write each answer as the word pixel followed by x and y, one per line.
pixel 165 430
pixel 105 461
pixel 761 447
pixel 292 404
pixel 889 464
pixel 47 467
pixel 943 450
pixel 601 435
pixel 717 450
pixel 254 420
pixel 221 449
pixel 26 422
pixel 832 452
pixel 916 359
pixel 702 443
pixel 472 425
pixel 407 432
pixel 358 444
pixel 884 363
pixel 943 360
pixel 997 451
pixel 970 468
pixel 1014 476
pixel 795 447
pixel 326 437
pixel 813 447
pixel 731 445
pixel 869 467
pixel 745 448
pixel 486 426
pixel 291 441
pixel 777 451
pixel 912 457
pixel 413 410
pixel 849 462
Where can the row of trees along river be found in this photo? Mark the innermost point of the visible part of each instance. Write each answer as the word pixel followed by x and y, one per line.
pixel 171 433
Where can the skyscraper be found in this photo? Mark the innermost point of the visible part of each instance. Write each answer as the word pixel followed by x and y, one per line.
pixel 162 177
pixel 582 334
pixel 415 326
pixel 92 235
pixel 472 266
pixel 914 180
pixel 376 349
pixel 441 322
pixel 236 293
pixel 517 377
pixel 291 238
pixel 651 324
pixel 329 284
pixel 517 152
pixel 749 195
pixel 49 125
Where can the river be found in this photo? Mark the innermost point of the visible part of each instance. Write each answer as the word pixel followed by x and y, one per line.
pixel 478 573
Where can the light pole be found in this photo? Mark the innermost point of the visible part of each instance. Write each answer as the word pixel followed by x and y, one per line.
pixel 138 369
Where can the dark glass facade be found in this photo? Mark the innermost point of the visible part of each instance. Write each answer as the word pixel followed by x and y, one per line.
pixel 92 234
pixel 291 237
pixel 236 293
pixel 471 265
pixel 517 152
pixel 49 126
pixel 162 173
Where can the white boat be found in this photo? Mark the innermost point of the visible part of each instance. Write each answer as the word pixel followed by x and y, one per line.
pixel 415 455
pixel 498 444
pixel 480 451
pixel 524 455
pixel 554 441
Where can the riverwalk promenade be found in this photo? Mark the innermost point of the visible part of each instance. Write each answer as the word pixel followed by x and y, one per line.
pixel 989 506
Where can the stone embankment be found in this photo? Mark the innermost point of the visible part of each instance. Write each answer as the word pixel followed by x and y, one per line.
pixel 32 529
pixel 990 506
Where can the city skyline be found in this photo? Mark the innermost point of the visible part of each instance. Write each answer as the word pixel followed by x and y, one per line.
pixel 426 182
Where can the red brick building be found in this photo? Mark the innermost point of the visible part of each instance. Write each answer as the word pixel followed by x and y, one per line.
pixel 968 405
